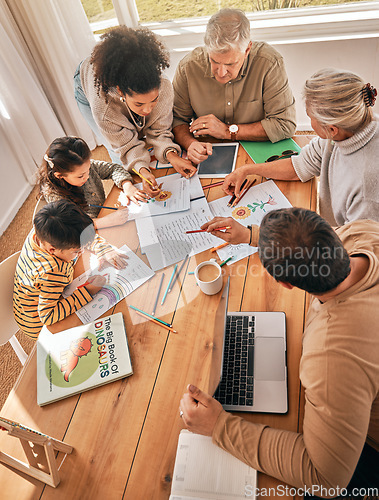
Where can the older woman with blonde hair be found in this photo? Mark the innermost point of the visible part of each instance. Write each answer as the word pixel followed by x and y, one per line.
pixel 344 155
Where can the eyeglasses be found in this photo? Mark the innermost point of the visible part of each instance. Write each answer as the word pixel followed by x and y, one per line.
pixel 285 154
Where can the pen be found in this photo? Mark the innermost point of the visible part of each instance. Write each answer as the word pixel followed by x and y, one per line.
pixel 142 177
pixel 159 291
pixel 234 196
pixel 225 261
pixel 204 230
pixel 243 194
pixel 103 206
pixel 220 246
pixel 169 284
pixel 177 274
pixel 157 322
pixel 151 316
pixel 213 185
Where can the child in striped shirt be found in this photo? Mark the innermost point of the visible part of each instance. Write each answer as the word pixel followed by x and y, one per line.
pixel 46 266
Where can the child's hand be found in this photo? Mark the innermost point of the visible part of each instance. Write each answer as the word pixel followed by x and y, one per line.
pixel 116 218
pixel 113 258
pixel 96 284
pixel 181 165
pixel 150 190
pixel 133 194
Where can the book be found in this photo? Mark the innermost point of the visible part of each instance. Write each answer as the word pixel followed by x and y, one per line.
pixel 81 358
pixel 205 471
pixel 260 151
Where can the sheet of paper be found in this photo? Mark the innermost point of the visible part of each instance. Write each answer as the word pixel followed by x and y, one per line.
pixel 164 240
pixel 203 470
pixel 174 197
pixel 120 283
pixel 258 201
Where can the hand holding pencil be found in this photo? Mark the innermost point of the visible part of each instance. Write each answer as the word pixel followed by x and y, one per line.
pixel 149 182
pixel 236 233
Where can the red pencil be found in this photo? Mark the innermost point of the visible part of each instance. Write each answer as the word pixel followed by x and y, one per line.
pixel 204 230
pixel 232 199
pixel 213 185
pixel 84 284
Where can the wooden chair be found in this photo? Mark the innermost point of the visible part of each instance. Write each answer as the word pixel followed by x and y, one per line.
pixel 41 202
pixel 8 324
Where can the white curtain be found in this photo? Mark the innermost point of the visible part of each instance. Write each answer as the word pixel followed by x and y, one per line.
pixel 41 44
pixel 58 37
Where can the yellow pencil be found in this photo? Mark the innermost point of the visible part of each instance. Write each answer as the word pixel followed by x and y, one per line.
pixel 142 177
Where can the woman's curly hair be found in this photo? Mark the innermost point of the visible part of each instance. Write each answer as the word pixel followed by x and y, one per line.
pixel 132 59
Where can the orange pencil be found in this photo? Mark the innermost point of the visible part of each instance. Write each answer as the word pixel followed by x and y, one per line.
pixel 156 322
pixel 226 243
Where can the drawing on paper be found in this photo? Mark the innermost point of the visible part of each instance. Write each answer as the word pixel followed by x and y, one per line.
pixel 244 212
pixel 163 196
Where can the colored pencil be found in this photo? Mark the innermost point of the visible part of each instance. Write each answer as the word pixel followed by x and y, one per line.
pixel 243 194
pixel 142 177
pixel 84 284
pixel 169 284
pixel 151 316
pixel 157 297
pixel 225 261
pixel 177 274
pixel 156 322
pixel 226 243
pixel 234 196
pixel 213 185
pixel 204 230
pixel 103 206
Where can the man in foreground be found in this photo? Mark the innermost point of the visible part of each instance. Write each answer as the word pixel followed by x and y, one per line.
pixel 339 367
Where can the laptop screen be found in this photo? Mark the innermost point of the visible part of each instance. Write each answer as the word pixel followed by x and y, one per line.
pixel 218 340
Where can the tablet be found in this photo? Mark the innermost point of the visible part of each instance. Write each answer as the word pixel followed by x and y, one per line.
pixel 221 162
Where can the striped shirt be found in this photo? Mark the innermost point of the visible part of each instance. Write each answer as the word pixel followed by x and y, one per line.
pixel 38 285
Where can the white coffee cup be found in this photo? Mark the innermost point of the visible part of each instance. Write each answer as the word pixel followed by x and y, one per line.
pixel 208 277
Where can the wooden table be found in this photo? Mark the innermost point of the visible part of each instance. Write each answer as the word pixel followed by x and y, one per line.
pixel 125 433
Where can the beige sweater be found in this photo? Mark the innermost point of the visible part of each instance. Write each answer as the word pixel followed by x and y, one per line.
pixel 339 371
pixel 119 128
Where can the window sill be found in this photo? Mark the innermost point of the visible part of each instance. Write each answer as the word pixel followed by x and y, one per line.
pixel 309 24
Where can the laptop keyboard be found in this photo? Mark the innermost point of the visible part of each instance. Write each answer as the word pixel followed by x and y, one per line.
pixel 237 384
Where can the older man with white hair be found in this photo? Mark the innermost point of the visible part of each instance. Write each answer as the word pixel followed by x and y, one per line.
pixel 232 88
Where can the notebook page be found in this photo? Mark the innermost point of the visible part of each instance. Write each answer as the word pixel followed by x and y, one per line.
pixel 205 471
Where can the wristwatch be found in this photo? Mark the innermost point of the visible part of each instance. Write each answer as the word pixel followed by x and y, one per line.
pixel 233 129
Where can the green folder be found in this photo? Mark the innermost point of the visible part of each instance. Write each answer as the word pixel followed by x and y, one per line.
pixel 260 151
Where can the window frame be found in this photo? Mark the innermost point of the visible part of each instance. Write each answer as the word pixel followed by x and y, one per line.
pixel 280 26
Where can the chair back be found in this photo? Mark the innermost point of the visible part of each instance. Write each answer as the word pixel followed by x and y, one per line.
pixel 8 324
pixel 41 202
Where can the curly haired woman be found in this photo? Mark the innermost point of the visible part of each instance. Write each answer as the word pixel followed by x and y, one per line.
pixel 122 95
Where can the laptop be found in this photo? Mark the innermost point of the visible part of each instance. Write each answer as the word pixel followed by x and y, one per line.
pixel 250 370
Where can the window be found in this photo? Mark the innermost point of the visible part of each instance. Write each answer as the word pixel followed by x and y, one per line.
pixel 182 23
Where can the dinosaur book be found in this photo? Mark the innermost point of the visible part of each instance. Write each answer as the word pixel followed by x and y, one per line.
pixel 81 358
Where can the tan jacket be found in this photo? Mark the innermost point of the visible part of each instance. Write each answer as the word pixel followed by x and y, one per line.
pixel 339 371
